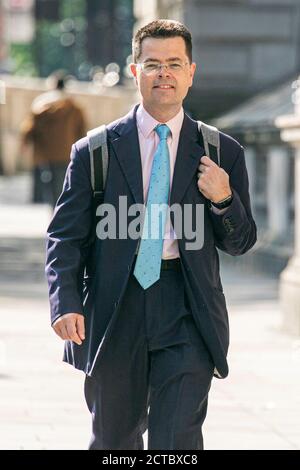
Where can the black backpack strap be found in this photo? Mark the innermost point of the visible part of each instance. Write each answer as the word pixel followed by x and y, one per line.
pixel 97 139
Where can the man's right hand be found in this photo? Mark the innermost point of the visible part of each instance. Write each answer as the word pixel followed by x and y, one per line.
pixel 70 326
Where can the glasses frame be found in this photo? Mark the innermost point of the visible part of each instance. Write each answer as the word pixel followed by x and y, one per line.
pixel 159 67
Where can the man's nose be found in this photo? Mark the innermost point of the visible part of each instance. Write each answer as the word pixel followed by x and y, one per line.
pixel 163 71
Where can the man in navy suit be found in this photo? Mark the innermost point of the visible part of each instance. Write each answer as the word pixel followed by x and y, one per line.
pixel 149 345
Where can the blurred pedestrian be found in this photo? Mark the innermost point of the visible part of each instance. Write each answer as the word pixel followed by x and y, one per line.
pixel 53 124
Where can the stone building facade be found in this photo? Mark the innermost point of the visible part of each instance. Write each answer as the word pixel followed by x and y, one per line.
pixel 241 47
pixel 271 169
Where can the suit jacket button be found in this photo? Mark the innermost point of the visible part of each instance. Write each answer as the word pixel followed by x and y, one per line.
pixel 116 303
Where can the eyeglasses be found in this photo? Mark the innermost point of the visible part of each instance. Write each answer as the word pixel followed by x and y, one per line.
pixel 150 68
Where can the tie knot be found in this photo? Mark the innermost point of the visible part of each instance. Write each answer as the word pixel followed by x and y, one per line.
pixel 163 131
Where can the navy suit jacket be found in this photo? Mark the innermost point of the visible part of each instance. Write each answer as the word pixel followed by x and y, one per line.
pixel 97 295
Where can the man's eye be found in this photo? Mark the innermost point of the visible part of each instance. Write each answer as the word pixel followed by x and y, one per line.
pixel 150 67
pixel 175 66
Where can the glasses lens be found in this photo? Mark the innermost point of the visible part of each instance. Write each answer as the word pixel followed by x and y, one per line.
pixel 150 67
pixel 153 67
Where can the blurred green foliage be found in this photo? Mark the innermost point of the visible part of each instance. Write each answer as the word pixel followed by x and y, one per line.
pixel 57 44
pixel 77 36
pixel 23 60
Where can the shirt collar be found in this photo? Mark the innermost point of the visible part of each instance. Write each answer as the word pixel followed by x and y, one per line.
pixel 146 122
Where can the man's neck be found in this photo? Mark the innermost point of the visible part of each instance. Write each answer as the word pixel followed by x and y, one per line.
pixel 163 115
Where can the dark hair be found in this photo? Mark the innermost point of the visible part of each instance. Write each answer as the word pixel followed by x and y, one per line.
pixel 161 29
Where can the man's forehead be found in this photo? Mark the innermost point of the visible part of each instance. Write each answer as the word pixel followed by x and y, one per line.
pixel 163 47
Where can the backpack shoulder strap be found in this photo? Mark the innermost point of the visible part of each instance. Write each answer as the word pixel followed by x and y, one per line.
pixel 211 140
pixel 97 140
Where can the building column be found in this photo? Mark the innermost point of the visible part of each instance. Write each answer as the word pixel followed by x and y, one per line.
pixel 277 191
pixel 289 286
pixel 250 158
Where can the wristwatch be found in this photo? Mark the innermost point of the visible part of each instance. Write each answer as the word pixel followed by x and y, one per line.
pixel 224 203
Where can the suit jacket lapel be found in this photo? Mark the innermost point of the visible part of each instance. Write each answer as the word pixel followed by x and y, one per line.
pixel 125 143
pixel 127 150
pixel 187 160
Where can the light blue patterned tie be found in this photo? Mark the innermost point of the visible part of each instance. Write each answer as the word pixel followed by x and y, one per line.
pixel 148 263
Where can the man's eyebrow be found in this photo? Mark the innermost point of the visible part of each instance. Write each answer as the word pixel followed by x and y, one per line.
pixel 171 59
pixel 151 60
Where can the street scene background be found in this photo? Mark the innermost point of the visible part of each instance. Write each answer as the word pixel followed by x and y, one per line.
pixel 248 57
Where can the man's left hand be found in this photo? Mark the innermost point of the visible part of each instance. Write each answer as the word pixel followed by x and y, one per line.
pixel 213 181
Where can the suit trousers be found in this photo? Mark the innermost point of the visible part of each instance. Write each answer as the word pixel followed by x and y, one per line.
pixel 155 373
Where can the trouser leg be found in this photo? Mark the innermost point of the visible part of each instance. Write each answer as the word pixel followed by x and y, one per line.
pixel 114 424
pixel 155 356
pixel 180 380
pixel 117 396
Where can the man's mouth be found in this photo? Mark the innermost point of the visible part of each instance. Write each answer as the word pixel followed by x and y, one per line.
pixel 164 87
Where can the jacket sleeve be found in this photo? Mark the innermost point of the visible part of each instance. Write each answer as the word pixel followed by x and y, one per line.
pixel 67 233
pixel 235 230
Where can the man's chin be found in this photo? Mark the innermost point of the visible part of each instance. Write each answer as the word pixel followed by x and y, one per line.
pixel 166 100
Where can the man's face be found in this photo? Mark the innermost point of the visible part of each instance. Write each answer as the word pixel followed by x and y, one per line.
pixel 164 87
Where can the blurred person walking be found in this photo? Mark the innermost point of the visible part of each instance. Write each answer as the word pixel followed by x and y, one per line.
pixel 147 320
pixel 52 126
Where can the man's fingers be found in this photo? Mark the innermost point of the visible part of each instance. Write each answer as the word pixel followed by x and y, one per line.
pixel 80 326
pixel 70 327
pixel 203 168
pixel 60 330
pixel 64 332
pixel 72 333
pixel 202 185
pixel 208 161
pixel 57 330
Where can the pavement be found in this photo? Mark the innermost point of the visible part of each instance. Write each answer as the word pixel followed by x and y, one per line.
pixel 41 399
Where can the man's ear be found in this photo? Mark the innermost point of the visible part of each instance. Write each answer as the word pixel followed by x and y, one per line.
pixel 133 71
pixel 192 72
